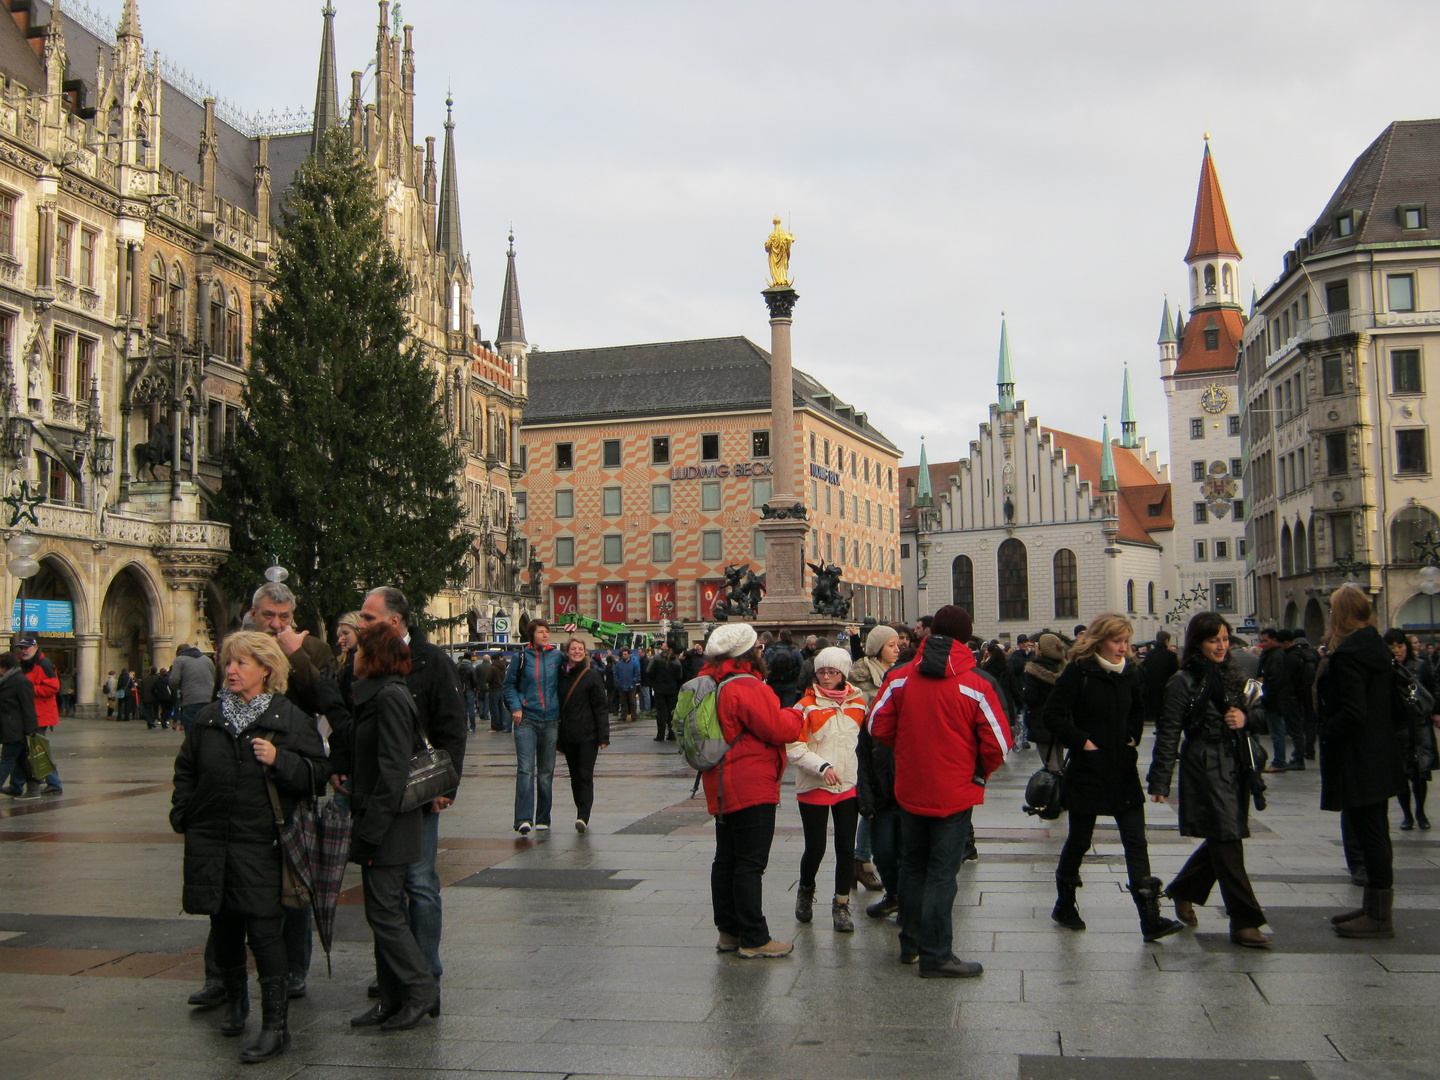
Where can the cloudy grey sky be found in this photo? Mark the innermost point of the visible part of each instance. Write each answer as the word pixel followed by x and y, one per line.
pixel 937 162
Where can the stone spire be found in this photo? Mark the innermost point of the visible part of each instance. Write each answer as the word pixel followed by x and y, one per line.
pixel 129 21
pixel 1128 421
pixel 512 323
pixel 1005 377
pixel 327 91
pixel 1108 480
pixel 448 229
pixel 923 495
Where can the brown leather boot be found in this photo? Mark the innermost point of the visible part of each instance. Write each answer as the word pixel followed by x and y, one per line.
pixel 1376 921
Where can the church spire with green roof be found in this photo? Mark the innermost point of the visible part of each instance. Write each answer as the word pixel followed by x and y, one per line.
pixel 1128 421
pixel 1108 480
pixel 923 496
pixel 1005 377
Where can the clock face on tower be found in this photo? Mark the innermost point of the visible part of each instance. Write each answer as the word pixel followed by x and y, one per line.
pixel 1214 399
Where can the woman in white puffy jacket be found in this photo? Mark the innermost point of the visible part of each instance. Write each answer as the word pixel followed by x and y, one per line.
pixel 825 775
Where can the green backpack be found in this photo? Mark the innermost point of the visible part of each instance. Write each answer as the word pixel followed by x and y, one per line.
pixel 696 723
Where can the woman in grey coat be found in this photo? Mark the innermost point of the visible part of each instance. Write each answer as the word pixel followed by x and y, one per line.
pixel 1203 702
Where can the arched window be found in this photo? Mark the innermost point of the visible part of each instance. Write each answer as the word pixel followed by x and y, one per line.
pixel 1130 596
pixel 1194 282
pixel 155 314
pixel 1228 280
pixel 1410 525
pixel 234 351
pixel 1209 279
pixel 455 307
pixel 1287 555
pixel 217 319
pixel 1014 568
pixel 962 583
pixel 1150 598
pixel 175 308
pixel 1067 585
pixel 1301 565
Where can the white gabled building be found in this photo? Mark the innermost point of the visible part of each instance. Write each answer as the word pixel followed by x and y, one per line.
pixel 1037 527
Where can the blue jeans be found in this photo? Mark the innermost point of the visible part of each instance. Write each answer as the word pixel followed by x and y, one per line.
pixel 933 848
pixel 499 714
pixel 534 770
pixel 644 699
pixel 422 893
pixel 862 840
pixel 470 707
pixel 885 836
pixel 1288 720
pixel 189 712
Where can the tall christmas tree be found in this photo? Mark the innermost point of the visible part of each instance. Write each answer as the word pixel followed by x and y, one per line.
pixel 343 469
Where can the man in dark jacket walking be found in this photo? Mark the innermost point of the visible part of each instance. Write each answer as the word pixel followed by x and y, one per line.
pixel 664 675
pixel 1156 670
pixel 1282 706
pixel 495 693
pixel 436 687
pixel 17 723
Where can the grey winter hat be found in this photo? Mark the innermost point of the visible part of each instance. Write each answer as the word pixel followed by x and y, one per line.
pixel 877 639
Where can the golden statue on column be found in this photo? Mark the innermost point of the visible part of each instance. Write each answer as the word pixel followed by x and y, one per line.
pixel 777 246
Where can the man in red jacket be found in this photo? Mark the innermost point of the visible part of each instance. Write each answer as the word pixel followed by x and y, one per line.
pixel 744 789
pixel 948 728
pixel 41 673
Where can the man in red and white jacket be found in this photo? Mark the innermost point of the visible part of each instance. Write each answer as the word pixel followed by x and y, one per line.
pixel 947 726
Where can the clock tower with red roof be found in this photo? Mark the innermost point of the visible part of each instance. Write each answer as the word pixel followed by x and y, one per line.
pixel 1197 365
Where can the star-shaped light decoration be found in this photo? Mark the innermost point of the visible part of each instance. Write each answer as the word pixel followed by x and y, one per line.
pixel 1347 565
pixel 1427 549
pixel 1199 594
pixel 22 504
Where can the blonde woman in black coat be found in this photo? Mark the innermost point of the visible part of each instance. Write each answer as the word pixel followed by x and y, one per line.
pixel 385 735
pixel 1203 702
pixel 584 726
pixel 234 749
pixel 1096 711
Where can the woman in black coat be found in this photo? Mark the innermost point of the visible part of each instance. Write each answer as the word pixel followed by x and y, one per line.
pixel 1096 711
pixel 1204 702
pixel 384 737
pixel 17 722
pixel 234 751
pixel 584 726
pixel 1040 676
pixel 1418 737
pixel 1361 751
pixel 664 676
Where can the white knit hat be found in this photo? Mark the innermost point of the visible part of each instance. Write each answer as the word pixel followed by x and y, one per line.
pixel 730 639
pixel 839 659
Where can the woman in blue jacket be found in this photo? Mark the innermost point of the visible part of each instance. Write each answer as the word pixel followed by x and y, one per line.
pixel 533 698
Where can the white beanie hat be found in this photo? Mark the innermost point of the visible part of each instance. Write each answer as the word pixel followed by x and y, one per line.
pixel 730 639
pixel 839 659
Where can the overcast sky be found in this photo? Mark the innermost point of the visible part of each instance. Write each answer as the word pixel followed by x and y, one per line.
pixel 937 162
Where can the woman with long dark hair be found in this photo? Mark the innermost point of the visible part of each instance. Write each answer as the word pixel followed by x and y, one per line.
pixel 584 726
pixel 1361 751
pixel 387 840
pixel 1204 702
pixel 1418 738
pixel 1096 710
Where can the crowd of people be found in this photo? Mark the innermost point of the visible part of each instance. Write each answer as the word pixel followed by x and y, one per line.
pixel 892 732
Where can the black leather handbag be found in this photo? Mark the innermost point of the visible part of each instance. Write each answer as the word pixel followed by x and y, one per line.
pixel 432 774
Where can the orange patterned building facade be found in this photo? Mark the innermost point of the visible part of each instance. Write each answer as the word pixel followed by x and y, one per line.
pixel 646 467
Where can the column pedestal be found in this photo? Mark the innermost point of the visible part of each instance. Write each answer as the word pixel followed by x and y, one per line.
pixel 87 669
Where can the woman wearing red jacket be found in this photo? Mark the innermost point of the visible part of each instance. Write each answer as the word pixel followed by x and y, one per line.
pixel 744 789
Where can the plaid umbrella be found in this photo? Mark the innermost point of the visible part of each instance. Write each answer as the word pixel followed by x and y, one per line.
pixel 328 856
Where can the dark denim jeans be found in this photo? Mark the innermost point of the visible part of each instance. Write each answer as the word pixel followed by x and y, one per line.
pixel 15 764
pixel 885 843
pixel 534 770
pixel 932 850
pixel 499 714
pixel 742 851
pixel 1287 720
pixel 422 893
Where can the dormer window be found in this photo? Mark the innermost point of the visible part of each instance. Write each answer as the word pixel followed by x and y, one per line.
pixel 1345 225
pixel 1411 217
pixel 1212 339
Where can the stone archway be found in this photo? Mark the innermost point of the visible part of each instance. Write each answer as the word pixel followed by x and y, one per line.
pixel 129 619
pixel 1292 616
pixel 1314 621
pixel 55 583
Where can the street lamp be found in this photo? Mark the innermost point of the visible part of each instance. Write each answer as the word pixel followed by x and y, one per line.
pixel 22 564
pixel 1430 585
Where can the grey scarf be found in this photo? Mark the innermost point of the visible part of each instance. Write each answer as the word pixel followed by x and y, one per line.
pixel 240 714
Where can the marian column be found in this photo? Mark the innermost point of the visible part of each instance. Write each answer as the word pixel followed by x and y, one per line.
pixel 784 523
